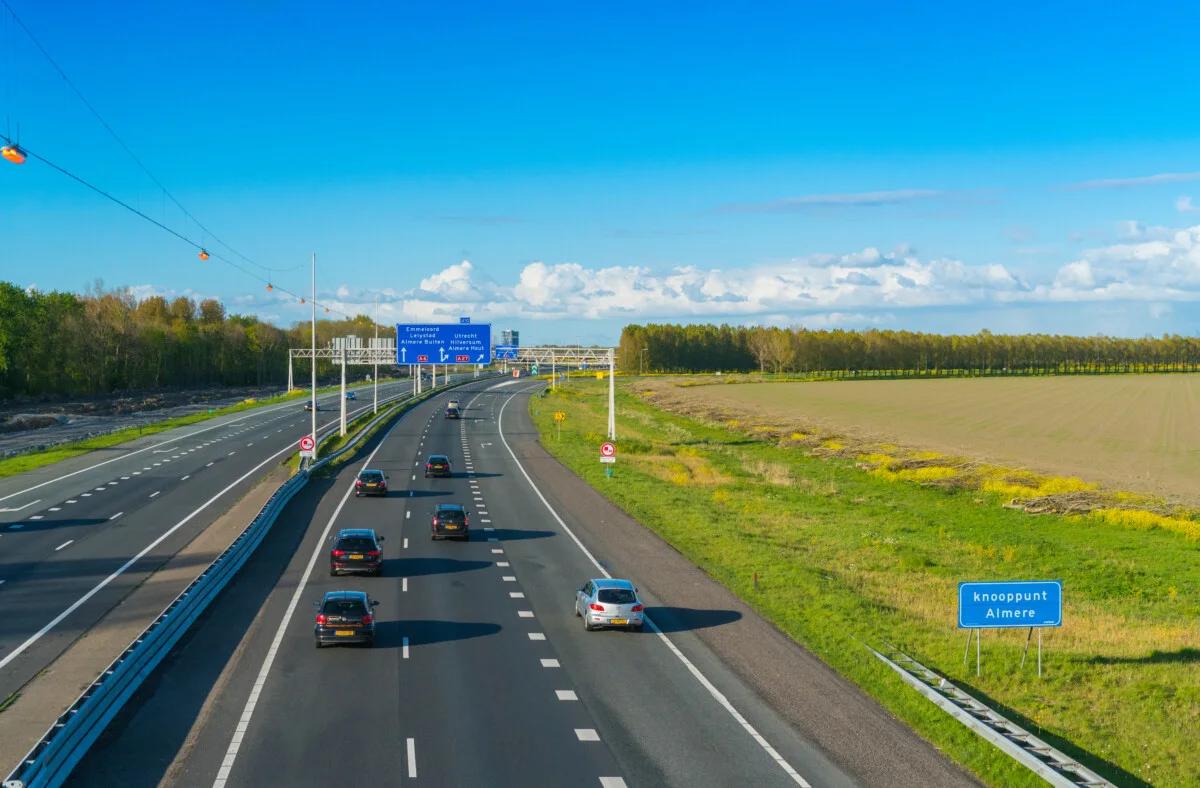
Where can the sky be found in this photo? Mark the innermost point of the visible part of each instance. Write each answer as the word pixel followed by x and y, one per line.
pixel 567 168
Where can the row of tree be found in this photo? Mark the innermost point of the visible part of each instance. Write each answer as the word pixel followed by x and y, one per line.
pixel 58 344
pixel 701 348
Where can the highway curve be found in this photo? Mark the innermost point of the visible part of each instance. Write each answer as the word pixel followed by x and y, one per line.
pixel 481 674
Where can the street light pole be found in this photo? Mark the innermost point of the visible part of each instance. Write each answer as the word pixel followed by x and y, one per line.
pixel 375 377
pixel 314 354
pixel 612 396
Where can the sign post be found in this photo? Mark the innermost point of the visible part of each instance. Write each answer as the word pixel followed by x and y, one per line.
pixel 559 418
pixel 1009 605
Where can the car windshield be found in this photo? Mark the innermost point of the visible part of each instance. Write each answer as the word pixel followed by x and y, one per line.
pixel 371 476
pixel 343 607
pixel 616 596
pixel 356 543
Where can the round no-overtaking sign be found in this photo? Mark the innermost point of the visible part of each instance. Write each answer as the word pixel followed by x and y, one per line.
pixel 608 452
pixel 307 443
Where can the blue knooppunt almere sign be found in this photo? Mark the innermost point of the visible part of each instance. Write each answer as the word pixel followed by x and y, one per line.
pixel 1021 603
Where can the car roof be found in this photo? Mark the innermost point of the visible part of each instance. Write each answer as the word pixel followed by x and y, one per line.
pixel 455 507
pixel 439 457
pixel 355 532
pixel 369 470
pixel 345 595
pixel 609 582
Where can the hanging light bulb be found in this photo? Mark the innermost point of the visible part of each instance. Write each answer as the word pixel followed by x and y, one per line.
pixel 13 153
pixel 302 300
pixel 270 287
pixel 203 254
pixel 327 310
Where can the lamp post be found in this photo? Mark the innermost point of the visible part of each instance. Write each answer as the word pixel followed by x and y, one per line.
pixel 314 354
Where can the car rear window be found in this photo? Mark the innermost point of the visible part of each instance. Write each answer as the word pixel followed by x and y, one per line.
pixel 451 515
pixel 344 607
pixel 355 543
pixel 616 596
pixel 371 476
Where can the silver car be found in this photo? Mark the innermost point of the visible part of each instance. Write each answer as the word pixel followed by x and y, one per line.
pixel 609 603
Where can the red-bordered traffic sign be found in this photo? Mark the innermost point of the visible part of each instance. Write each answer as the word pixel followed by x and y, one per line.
pixel 307 443
pixel 608 449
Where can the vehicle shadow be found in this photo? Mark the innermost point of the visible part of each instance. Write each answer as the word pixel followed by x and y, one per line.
pixel 28 526
pixel 417 493
pixel 684 619
pixel 421 567
pixel 508 535
pixel 426 632
pixel 475 475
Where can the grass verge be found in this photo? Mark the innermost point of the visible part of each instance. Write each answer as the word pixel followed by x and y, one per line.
pixel 846 557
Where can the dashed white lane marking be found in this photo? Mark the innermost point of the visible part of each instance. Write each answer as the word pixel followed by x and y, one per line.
pixel 404 584
pixel 72 500
pixel 64 544
pixel 566 695
pixel 146 468
pixel 185 478
pixel 612 782
pixel 100 489
pixel 407 515
pixel 249 444
pixel 85 495
pixel 56 508
pixel 414 477
pixel 210 464
pixel 156 492
pixel 37 517
pixel 537 636
pixel 524 614
pixel 497 550
pixel 485 521
pixel 124 478
pixel 716 694
pixel 157 464
pixel 115 516
pixel 412 759
pixel 137 473
pixel 502 563
pixel 509 578
pixel 230 454
pixel 406 543
pixel 111 484
pixel 550 663
pixel 404 647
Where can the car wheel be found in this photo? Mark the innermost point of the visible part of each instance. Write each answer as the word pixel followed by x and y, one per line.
pixel 587 627
pixel 332 572
pixel 577 613
pixel 319 644
pixel 636 627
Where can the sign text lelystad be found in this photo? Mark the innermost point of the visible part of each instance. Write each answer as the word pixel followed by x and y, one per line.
pixel 1021 603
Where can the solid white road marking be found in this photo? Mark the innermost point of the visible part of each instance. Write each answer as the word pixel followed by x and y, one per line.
pixel 687 663
pixel 566 695
pixel 525 614
pixel 587 734
pixel 404 584
pixel 509 578
pixel 502 563
pixel 537 636
pixel 264 671
pixel 412 759
pixel 19 508
pixel 549 663
pixel 612 782
pixel 115 516
pixel 185 478
pixel 210 464
pixel 64 544
pixel 156 492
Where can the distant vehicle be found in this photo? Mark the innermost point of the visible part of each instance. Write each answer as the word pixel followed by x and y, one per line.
pixel 370 482
pixel 308 406
pixel 437 465
pixel 605 602
pixel 450 520
pixel 351 395
pixel 453 413
pixel 453 404
pixel 356 550
pixel 345 617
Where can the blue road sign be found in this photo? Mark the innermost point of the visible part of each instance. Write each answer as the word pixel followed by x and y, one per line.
pixel 506 352
pixel 444 343
pixel 464 320
pixel 1020 603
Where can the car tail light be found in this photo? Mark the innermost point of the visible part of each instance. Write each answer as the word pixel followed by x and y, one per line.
pixel 321 619
pixel 436 521
pixel 594 606
pixel 428 466
pixel 372 554
pixel 638 608
pixel 358 483
pixel 338 553
pixel 368 619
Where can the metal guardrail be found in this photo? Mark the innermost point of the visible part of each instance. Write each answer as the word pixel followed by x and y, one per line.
pixel 1052 765
pixel 51 760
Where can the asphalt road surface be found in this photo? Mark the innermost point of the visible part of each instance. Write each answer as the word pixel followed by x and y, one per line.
pixel 481 673
pixel 76 536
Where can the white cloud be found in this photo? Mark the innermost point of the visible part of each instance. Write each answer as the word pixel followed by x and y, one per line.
pixel 1142 180
pixel 1184 204
pixel 873 199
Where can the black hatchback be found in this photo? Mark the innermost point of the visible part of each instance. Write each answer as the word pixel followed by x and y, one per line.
pixel 345 617
pixel 356 550
pixel 437 465
pixel 450 520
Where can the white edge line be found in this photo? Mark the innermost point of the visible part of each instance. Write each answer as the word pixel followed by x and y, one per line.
pixel 412 758
pixel 264 671
pixel 700 677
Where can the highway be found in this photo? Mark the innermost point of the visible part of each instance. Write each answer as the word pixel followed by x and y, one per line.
pixel 76 536
pixel 481 673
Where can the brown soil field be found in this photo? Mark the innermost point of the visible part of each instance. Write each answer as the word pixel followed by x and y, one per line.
pixel 1128 432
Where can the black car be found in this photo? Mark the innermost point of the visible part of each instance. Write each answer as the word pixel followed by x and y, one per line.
pixel 308 406
pixel 370 482
pixel 345 617
pixel 453 413
pixel 356 550
pixel 437 465
pixel 450 520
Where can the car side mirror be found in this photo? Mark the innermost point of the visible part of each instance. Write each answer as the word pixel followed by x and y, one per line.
pixel 383 538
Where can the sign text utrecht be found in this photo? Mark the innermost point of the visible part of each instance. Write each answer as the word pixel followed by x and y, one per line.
pixel 1023 603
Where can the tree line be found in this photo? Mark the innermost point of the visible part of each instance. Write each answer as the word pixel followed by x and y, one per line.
pixel 874 352
pixel 101 341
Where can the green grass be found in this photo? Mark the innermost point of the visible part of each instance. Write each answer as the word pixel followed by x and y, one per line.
pixel 23 463
pixel 846 558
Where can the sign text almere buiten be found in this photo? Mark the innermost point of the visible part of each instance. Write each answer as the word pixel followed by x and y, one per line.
pixel 443 343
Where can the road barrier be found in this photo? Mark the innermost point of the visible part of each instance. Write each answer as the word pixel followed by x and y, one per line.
pixel 51 760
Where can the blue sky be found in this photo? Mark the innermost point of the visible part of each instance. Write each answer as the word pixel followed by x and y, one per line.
pixel 934 166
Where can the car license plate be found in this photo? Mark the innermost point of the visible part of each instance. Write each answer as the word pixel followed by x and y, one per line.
pixel 618 621
pixel 343 632
pixel 356 556
pixel 451 527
